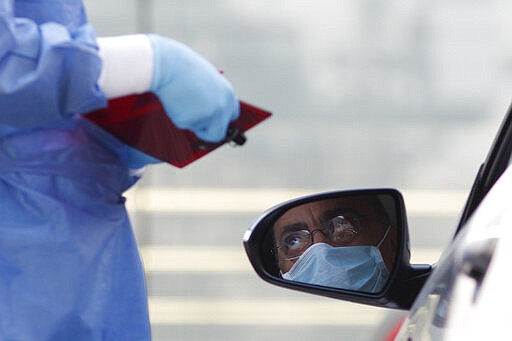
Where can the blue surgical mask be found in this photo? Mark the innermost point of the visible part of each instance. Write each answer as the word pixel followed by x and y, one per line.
pixel 358 268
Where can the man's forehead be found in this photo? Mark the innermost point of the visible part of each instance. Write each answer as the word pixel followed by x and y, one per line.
pixel 292 219
pixel 321 209
pixel 306 212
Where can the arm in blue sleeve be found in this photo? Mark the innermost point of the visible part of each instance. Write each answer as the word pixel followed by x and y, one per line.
pixel 47 72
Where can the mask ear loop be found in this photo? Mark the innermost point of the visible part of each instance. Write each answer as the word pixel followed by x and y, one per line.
pixel 384 237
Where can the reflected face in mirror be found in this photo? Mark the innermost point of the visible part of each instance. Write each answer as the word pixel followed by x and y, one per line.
pixel 346 243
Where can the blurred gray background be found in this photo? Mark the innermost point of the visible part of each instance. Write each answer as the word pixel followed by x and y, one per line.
pixel 365 93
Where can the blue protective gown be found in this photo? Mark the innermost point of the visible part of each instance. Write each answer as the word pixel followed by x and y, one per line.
pixel 69 264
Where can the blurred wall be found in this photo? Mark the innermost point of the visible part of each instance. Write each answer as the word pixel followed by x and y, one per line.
pixel 365 93
pixel 369 92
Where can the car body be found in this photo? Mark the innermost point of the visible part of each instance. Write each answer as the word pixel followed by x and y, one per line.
pixel 464 295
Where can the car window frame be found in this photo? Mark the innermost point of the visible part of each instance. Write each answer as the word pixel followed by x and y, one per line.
pixel 495 164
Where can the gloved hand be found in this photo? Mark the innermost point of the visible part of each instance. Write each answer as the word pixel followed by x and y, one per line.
pixel 193 92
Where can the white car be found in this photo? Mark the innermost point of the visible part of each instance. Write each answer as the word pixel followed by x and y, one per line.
pixel 354 246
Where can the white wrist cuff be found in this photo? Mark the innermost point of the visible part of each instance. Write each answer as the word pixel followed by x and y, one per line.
pixel 127 64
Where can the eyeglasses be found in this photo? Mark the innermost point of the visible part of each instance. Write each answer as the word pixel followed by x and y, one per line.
pixel 340 231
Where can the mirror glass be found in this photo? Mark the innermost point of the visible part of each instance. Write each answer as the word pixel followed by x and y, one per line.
pixel 345 242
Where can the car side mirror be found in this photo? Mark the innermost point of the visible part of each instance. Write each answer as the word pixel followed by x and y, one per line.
pixel 351 245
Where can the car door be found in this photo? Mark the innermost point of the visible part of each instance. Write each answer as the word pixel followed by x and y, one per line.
pixel 467 295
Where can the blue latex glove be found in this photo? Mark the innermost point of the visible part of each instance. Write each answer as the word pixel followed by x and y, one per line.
pixel 193 92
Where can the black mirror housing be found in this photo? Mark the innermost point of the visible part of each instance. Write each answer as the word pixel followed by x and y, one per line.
pixel 403 284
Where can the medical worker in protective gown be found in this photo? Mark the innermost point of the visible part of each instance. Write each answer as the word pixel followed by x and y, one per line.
pixel 69 265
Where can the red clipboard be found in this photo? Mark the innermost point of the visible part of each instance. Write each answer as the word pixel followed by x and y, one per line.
pixel 140 121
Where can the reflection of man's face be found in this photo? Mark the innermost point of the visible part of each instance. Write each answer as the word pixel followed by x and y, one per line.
pixel 313 215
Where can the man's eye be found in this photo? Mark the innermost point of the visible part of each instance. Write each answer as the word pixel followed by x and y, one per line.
pixel 345 235
pixel 295 241
pixel 353 220
pixel 341 229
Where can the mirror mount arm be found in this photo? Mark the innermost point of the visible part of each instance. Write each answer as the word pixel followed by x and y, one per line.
pixel 406 289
